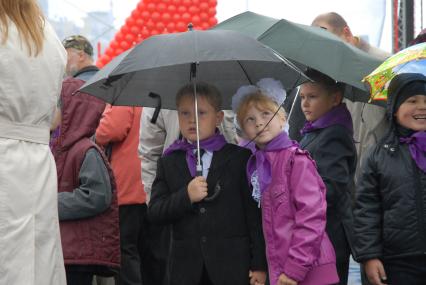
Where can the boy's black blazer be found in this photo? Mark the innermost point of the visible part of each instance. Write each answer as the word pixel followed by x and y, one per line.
pixel 224 235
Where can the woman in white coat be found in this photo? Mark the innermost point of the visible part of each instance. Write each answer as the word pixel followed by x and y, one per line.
pixel 32 64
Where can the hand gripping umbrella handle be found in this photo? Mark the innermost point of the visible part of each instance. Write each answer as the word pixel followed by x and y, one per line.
pixel 216 193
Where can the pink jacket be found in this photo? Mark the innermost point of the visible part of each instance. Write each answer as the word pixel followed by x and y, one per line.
pixel 294 218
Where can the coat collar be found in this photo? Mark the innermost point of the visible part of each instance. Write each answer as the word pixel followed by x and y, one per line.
pixel 308 139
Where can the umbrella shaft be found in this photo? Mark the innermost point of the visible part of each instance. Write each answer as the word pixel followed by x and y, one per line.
pixel 197 128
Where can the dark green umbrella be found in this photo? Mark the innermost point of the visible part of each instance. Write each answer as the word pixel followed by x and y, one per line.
pixel 310 47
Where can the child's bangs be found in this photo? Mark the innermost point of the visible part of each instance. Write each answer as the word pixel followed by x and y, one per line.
pixel 260 102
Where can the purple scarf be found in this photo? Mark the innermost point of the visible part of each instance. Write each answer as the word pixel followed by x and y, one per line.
pixel 417 146
pixel 53 142
pixel 337 116
pixel 259 162
pixel 213 143
pixel 248 144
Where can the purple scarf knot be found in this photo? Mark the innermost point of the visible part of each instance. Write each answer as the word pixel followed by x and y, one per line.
pixel 417 146
pixel 213 143
pixel 259 162
pixel 339 115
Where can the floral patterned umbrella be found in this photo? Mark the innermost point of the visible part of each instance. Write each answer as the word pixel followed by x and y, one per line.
pixel 411 59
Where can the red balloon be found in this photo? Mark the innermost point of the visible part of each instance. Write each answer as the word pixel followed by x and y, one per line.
pixel 150 7
pixel 212 3
pixel 196 20
pixel 194 10
pixel 135 14
pixel 125 29
pixel 205 26
pixel 171 26
pixel 145 33
pixel 109 51
pixel 119 50
pixel 129 38
pixel 150 25
pixel 181 26
pixel 176 2
pixel 195 2
pixel 212 21
pixel 160 26
pixel 139 39
pixel 181 9
pixel 155 16
pixel 106 58
pixel 154 32
pixel 171 8
pixel 176 17
pixel 130 21
pixel 186 17
pixel 204 17
pixel 113 44
pixel 119 36
pixel 161 7
pixel 145 15
pixel 166 17
pixel 141 6
pixel 140 23
pixel 135 30
pixel 212 11
pixel 187 3
pixel 204 6
pixel 124 45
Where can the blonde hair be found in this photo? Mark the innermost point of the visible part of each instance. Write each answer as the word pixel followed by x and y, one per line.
pixel 259 101
pixel 29 21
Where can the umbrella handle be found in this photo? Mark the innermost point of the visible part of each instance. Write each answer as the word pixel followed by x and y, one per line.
pixel 216 193
pixel 157 107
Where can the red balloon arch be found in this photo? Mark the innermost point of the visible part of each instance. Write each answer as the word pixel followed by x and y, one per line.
pixel 153 17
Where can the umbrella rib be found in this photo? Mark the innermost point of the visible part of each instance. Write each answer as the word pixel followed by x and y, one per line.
pixel 245 72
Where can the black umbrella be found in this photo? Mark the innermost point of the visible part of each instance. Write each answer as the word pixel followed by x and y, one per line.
pixel 164 63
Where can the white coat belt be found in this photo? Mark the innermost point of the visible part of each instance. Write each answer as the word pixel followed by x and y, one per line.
pixel 30 133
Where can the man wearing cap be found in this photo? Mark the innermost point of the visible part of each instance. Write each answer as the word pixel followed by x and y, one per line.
pixel 80 57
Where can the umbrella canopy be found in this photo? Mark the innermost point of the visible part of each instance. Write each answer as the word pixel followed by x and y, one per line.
pixel 411 59
pixel 309 47
pixel 164 63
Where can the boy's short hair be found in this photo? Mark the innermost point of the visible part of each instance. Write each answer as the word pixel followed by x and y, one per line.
pixel 330 85
pixel 208 91
pixel 260 101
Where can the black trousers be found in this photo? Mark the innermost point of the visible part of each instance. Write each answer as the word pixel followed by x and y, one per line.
pixel 205 278
pixel 132 219
pixel 77 277
pixel 408 270
pixel 343 252
pixel 154 245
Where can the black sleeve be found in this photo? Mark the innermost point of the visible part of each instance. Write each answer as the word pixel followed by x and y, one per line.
pixel 368 212
pixel 94 194
pixel 332 158
pixel 254 223
pixel 167 206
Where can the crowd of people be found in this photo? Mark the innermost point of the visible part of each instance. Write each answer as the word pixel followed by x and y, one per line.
pixel 93 193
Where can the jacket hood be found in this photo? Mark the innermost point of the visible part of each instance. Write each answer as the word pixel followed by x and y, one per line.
pixel 81 113
pixel 395 87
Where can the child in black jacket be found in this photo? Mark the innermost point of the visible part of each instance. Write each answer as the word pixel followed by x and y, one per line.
pixel 390 213
pixel 216 225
